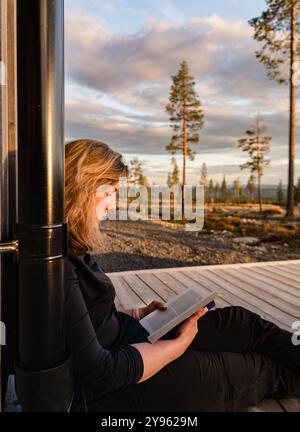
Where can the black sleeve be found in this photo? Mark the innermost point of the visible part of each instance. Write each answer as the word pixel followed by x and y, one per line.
pixel 104 370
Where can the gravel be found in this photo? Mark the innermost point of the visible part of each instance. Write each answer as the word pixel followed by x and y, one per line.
pixel 134 245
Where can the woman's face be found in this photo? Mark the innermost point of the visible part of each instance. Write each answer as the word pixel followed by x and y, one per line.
pixel 105 200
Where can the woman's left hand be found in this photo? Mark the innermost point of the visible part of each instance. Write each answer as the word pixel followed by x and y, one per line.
pixel 155 304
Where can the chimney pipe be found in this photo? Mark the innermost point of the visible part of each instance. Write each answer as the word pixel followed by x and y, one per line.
pixel 43 367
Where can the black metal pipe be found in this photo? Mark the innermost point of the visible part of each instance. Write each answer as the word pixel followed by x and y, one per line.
pixel 41 227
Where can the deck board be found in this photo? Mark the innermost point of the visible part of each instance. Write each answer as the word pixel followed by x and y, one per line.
pixel 270 289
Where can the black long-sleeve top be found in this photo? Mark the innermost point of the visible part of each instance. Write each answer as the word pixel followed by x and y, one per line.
pixel 92 321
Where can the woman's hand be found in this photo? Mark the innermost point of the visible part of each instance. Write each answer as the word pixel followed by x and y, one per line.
pixel 155 304
pixel 187 331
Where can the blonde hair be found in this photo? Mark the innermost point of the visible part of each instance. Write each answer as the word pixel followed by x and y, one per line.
pixel 88 165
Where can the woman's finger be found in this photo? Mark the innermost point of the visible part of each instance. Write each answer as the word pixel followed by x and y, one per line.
pixel 200 313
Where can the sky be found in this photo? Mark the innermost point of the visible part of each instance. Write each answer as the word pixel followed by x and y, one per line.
pixel 120 56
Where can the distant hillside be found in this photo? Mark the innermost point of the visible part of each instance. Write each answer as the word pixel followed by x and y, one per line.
pixel 268 191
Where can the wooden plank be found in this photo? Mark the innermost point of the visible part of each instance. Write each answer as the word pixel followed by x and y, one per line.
pixel 141 288
pixel 240 294
pixel 238 297
pixel 158 286
pixel 294 267
pixel 205 290
pixel 268 281
pixel 260 287
pixel 287 269
pixel 290 405
pixel 127 297
pixel 171 281
pixel 260 300
pixel 291 282
pixel 268 405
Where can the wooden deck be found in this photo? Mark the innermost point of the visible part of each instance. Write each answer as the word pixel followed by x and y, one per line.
pixel 271 289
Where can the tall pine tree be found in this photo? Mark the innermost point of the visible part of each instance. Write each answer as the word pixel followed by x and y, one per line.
pixel 256 145
pixel 250 188
pixel 211 190
pixel 217 192
pixel 297 192
pixel 224 189
pixel 186 117
pixel 280 194
pixel 136 175
pixel 173 177
pixel 278 28
pixel 237 190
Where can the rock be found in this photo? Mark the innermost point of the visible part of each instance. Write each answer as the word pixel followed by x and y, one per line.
pixel 251 241
pixel 261 249
pixel 291 224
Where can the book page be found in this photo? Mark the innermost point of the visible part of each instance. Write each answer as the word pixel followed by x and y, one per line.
pixel 175 307
pixel 182 303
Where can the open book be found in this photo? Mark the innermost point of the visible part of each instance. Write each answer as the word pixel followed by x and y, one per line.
pixel 180 307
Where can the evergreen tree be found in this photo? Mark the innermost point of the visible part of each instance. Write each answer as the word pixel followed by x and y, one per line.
pixel 203 180
pixel 278 28
pixel 250 188
pixel 173 178
pixel 280 194
pixel 217 192
pixel 256 145
pixel 237 190
pixel 224 189
pixel 297 192
pixel 136 175
pixel 186 117
pixel 204 175
pixel 241 194
pixel 211 190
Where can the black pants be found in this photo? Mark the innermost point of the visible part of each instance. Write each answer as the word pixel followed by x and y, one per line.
pixel 236 360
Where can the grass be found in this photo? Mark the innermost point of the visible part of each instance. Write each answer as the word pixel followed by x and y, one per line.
pixel 245 220
pixel 237 225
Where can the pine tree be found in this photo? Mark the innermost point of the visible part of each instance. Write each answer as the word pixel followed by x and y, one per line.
pixel 224 189
pixel 256 145
pixel 203 180
pixel 250 188
pixel 217 192
pixel 278 28
pixel 173 178
pixel 241 194
pixel 186 117
pixel 237 190
pixel 297 192
pixel 204 174
pixel 136 175
pixel 211 190
pixel 280 195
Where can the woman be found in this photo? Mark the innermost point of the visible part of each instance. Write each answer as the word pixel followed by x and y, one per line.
pixel 225 361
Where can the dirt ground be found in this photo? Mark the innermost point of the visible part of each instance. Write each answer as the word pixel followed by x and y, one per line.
pixel 129 245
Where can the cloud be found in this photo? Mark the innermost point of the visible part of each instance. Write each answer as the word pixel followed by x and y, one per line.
pixel 118 84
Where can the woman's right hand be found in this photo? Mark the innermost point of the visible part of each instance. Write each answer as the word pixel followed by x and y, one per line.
pixel 188 329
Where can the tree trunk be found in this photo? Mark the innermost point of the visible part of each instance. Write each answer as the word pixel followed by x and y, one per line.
pixel 184 156
pixel 290 191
